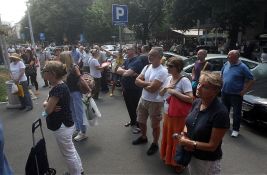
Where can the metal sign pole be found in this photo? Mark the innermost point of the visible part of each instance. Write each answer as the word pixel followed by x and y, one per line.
pixel 30 25
pixel 120 35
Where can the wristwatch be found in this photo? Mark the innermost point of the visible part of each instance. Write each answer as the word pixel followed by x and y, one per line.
pixel 195 145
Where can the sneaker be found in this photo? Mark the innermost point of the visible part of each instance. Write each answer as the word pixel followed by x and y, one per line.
pixel 153 149
pixel 75 133
pixel 111 94
pixel 235 133
pixel 139 140
pixel 136 130
pixel 81 136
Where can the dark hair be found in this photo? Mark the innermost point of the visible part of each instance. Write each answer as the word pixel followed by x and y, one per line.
pixel 177 62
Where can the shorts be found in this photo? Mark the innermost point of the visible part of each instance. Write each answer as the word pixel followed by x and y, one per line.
pixel 148 108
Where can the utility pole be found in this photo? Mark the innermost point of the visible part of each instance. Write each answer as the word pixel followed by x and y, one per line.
pixel 30 25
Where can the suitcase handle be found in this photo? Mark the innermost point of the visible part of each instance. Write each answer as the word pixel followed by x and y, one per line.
pixel 35 125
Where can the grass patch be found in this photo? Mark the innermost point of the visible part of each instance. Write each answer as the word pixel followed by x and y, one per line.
pixel 4 76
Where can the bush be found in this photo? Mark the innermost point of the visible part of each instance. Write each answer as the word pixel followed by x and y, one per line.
pixel 4 76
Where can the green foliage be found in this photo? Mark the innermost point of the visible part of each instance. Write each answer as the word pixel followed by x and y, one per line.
pixel 3 89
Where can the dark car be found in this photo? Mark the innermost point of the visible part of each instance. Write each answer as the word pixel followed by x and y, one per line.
pixel 254 105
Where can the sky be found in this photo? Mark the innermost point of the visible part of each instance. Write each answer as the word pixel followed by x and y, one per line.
pixel 12 11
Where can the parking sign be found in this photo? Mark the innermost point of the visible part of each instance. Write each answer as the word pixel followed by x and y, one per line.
pixel 119 14
pixel 42 36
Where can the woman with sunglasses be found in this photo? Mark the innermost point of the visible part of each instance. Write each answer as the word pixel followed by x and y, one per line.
pixel 180 87
pixel 206 125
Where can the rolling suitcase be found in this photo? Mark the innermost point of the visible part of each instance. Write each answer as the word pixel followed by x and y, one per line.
pixel 37 163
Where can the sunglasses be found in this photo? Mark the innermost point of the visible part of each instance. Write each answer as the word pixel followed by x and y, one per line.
pixel 170 65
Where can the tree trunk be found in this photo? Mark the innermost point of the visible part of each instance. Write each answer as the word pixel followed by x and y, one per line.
pixel 145 34
pixel 233 34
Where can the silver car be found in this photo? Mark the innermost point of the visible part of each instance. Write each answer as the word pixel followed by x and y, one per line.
pixel 259 70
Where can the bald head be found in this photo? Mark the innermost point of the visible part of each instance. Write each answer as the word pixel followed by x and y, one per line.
pixel 201 54
pixel 233 56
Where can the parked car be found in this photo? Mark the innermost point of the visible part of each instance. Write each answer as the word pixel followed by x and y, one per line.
pixel 259 70
pixel 254 105
pixel 167 55
pixel 109 47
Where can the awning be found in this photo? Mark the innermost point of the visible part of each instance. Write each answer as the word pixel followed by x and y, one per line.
pixel 190 32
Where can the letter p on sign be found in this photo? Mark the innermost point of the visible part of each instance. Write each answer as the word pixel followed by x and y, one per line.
pixel 119 14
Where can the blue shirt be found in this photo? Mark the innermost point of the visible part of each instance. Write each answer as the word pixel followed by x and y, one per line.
pixel 234 77
pixel 75 56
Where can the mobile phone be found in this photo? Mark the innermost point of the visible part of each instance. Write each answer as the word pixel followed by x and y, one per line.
pixel 176 135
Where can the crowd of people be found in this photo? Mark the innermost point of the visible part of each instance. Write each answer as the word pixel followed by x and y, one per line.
pixel 149 90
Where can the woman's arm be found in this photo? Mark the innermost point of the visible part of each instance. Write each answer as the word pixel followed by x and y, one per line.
pixel 215 139
pixel 51 104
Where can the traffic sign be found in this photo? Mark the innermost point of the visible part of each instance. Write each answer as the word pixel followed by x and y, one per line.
pixel 42 36
pixel 119 14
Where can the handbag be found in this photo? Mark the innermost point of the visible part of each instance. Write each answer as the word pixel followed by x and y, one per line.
pixel 20 90
pixel 83 86
pixel 177 107
pixel 182 156
pixel 14 88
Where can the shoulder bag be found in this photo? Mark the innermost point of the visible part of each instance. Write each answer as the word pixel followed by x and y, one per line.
pixel 177 107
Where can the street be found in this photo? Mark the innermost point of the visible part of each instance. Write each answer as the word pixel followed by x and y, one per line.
pixel 108 149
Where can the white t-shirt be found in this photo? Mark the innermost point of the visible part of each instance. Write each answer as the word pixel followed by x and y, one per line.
pixel 93 63
pixel 159 73
pixel 183 86
pixel 15 70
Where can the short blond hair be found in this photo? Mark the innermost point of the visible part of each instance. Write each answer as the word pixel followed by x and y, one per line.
pixel 56 68
pixel 213 78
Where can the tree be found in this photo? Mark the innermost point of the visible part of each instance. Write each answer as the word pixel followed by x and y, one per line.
pixel 144 15
pixel 233 16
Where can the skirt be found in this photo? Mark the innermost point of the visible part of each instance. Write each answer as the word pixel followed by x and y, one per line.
pixel 171 125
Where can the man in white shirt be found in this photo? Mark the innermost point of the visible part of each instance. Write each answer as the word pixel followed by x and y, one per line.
pixel 150 105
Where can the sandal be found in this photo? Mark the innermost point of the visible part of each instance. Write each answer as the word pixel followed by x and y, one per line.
pixel 179 169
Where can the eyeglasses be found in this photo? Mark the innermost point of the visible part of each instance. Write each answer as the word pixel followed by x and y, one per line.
pixel 170 65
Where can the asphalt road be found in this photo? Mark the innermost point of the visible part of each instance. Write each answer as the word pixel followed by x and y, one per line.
pixel 108 149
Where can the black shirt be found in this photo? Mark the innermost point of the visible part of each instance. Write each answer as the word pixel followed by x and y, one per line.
pixel 128 83
pixel 215 116
pixel 55 119
pixel 72 80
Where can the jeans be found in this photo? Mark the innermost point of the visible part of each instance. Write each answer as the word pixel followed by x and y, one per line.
pixel 235 101
pixel 64 140
pixel 25 101
pixel 76 106
pixel 4 166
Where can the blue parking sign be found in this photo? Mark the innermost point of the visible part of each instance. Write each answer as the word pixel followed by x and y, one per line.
pixel 119 14
pixel 42 36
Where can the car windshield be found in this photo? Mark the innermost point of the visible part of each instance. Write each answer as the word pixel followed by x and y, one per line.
pixel 190 61
pixel 250 65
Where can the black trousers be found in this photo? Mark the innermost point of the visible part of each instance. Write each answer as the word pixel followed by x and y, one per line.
pixel 131 98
